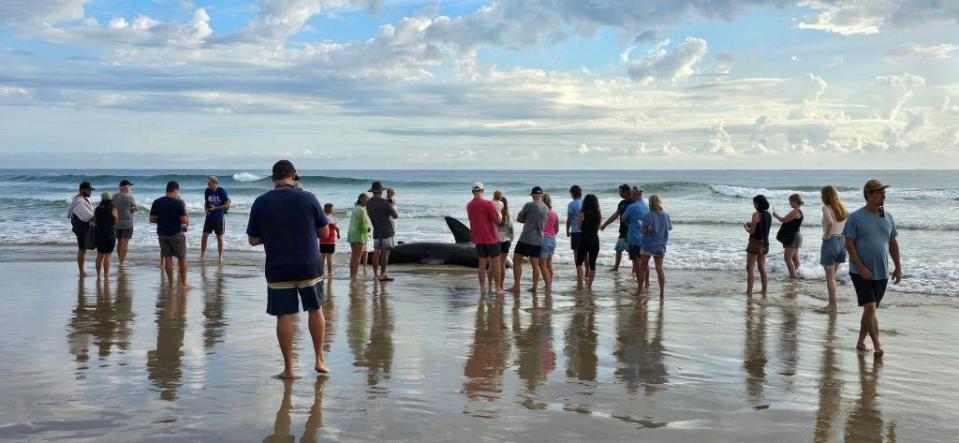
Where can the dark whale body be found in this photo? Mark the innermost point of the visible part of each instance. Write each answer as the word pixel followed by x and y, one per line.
pixel 461 253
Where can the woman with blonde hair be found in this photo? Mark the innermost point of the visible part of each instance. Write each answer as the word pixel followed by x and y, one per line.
pixel 789 234
pixel 550 228
pixel 833 251
pixel 504 231
pixel 656 227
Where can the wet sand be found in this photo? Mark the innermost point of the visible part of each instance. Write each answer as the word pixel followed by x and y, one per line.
pixel 427 358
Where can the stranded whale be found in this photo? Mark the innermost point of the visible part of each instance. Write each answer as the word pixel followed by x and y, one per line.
pixel 461 253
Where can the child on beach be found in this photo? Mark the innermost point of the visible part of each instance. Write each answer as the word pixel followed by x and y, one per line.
pixel 328 243
pixel 656 227
pixel 789 234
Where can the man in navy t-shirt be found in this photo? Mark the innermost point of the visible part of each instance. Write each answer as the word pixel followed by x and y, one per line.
pixel 216 202
pixel 288 223
pixel 169 214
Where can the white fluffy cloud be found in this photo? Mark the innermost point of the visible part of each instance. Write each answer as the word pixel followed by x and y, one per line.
pixel 30 13
pixel 936 52
pixel 660 64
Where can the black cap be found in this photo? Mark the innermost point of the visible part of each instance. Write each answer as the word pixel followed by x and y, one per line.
pixel 125 182
pixel 376 187
pixel 536 190
pixel 283 169
pixel 86 186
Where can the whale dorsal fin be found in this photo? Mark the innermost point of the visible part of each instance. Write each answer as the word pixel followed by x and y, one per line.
pixel 460 231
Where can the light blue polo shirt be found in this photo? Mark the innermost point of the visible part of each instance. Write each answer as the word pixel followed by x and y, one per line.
pixel 573 211
pixel 633 217
pixel 871 234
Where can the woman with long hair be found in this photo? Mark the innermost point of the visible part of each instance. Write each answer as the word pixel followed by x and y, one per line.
pixel 832 254
pixel 758 246
pixel 550 228
pixel 106 216
pixel 504 231
pixel 656 227
pixel 358 233
pixel 589 219
pixel 789 234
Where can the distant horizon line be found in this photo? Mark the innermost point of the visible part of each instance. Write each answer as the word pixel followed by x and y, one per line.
pixel 485 169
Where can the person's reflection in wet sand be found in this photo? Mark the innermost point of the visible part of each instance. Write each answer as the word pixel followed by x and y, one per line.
pixel 378 355
pixel 830 385
pixel 641 356
pixel 535 359
pixel 281 425
pixel 864 423
pixel 356 320
pixel 163 364
pixel 329 313
pixel 214 305
pixel 581 339
pixel 79 331
pixel 489 353
pixel 789 333
pixel 104 323
pixel 754 351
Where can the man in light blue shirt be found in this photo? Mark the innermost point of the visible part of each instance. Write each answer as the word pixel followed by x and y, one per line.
pixel 870 233
pixel 573 230
pixel 633 218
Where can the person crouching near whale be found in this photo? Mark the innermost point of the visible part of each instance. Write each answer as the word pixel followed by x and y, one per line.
pixel 533 217
pixel 484 218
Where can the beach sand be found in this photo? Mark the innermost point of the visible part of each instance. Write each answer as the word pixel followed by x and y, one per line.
pixel 427 358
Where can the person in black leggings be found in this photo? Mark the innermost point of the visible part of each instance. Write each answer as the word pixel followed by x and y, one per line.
pixel 589 219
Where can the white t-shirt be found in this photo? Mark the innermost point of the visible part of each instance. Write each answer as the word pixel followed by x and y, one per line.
pixel 828 215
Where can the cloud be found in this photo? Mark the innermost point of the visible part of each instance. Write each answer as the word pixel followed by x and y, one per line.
pixel 29 13
pixel 936 52
pixel 659 64
pixel 852 17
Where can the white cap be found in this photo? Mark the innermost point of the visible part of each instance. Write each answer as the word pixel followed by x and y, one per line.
pixel 478 186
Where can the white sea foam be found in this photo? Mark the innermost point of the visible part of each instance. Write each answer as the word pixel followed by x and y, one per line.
pixel 813 195
pixel 248 177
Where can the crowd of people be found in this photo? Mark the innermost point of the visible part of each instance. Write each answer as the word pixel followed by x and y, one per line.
pixel 299 237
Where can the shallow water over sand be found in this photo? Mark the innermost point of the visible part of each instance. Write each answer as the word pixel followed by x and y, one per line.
pixel 427 358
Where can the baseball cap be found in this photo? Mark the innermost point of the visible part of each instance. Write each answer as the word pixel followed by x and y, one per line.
pixel 125 182
pixel 376 187
pixel 106 196
pixel 873 186
pixel 86 185
pixel 637 190
pixel 536 190
pixel 478 186
pixel 212 178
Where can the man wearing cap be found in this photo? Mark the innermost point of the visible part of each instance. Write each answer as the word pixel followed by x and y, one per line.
pixel 533 217
pixel 80 213
pixel 484 220
pixel 169 214
pixel 126 206
pixel 382 214
pixel 621 245
pixel 870 239
pixel 289 223
pixel 633 218
pixel 217 202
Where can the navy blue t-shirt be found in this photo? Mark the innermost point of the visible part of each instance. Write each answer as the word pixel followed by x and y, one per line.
pixel 216 197
pixel 287 220
pixel 168 211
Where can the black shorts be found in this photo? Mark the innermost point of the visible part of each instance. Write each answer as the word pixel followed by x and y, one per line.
pixel 327 248
pixel 574 239
pixel 634 252
pixel 106 244
pixel 868 291
pixel 284 301
pixel 213 225
pixel 504 247
pixel 172 245
pixel 491 250
pixel 527 250
pixel 124 233
pixel 81 240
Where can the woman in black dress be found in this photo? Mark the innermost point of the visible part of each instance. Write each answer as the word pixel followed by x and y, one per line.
pixel 589 218
pixel 758 246
pixel 789 234
pixel 106 237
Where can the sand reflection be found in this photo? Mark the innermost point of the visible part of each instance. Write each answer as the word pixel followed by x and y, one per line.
pixel 865 423
pixel 830 385
pixel 375 352
pixel 214 306
pixel 535 359
pixel 282 423
pixel 580 340
pixel 640 354
pixel 489 353
pixel 103 323
pixel 164 363
pixel 754 351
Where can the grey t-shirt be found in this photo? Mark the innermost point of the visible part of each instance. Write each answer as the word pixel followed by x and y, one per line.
pixel 380 212
pixel 534 215
pixel 871 234
pixel 123 202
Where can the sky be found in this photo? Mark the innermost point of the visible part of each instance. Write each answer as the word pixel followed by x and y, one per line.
pixel 461 84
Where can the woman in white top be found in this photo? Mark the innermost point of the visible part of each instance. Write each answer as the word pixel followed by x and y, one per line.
pixel 833 250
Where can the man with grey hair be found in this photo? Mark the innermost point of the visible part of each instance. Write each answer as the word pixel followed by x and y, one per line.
pixel 217 203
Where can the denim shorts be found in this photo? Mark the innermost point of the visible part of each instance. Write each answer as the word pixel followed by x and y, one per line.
pixel 833 251
pixel 621 244
pixel 548 248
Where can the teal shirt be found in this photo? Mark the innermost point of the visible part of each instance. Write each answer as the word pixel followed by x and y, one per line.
pixel 871 234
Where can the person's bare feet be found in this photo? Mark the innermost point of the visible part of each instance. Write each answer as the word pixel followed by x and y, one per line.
pixel 186 286
pixel 321 367
pixel 514 289
pixel 499 291
pixel 531 289
pixel 286 375
pixel 878 353
pixel 84 274
pixel 861 347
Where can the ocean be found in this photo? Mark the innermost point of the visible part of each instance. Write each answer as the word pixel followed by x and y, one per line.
pixel 707 208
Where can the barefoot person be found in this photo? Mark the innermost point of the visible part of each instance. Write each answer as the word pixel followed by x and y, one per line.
pixel 504 233
pixel 382 215
pixel 870 239
pixel 533 217
pixel 633 217
pixel 358 234
pixel 217 202
pixel 573 229
pixel 126 206
pixel 621 243
pixel 588 219
pixel 484 218
pixel 106 237
pixel 289 223
pixel 169 214
pixel 758 246
pixel 80 213
pixel 328 243
pixel 832 254
pixel 656 227
pixel 550 228
pixel 789 234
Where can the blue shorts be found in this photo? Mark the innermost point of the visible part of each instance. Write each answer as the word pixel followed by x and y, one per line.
pixel 621 245
pixel 548 248
pixel 833 251
pixel 284 301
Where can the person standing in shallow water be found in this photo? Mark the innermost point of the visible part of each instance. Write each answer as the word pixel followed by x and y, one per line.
pixel 126 206
pixel 588 219
pixel 550 228
pixel 871 234
pixel 533 217
pixel 573 228
pixel 621 244
pixel 170 216
pixel 832 254
pixel 789 234
pixel 382 213
pixel 656 227
pixel 504 233
pixel 217 202
pixel 106 239
pixel 289 223
pixel 80 213
pixel 484 218
pixel 758 246
pixel 358 234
